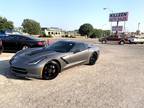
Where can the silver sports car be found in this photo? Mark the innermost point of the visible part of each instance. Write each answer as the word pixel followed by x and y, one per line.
pixel 47 62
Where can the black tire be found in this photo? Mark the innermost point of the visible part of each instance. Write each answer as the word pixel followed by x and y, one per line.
pixel 2 48
pixel 24 47
pixel 130 42
pixel 93 59
pixel 50 70
pixel 122 42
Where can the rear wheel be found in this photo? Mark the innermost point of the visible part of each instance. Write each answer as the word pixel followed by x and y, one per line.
pixel 93 59
pixel 51 70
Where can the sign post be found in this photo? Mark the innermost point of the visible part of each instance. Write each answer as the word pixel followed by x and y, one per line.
pixel 117 17
pixel 114 17
pixel 117 28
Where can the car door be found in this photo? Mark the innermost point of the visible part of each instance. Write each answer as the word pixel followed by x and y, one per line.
pixel 80 54
pixel 20 41
pixel 10 42
pixel 113 39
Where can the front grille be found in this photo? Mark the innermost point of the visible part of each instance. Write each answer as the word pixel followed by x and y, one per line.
pixel 19 70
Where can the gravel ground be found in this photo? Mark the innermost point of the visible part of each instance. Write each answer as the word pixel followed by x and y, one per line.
pixel 115 81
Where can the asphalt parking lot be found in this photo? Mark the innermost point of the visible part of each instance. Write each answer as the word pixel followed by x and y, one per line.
pixel 115 81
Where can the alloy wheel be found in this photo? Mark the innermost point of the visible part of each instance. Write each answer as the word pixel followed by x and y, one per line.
pixel 50 71
pixel 93 59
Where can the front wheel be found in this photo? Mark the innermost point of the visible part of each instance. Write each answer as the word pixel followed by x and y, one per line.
pixel 1 49
pixel 51 70
pixel 121 42
pixel 104 42
pixel 25 47
pixel 93 59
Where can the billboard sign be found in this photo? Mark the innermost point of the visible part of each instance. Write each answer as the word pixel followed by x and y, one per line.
pixel 117 28
pixel 114 17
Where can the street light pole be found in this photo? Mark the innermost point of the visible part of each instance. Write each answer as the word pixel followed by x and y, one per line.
pixel 103 26
pixel 111 11
pixel 108 10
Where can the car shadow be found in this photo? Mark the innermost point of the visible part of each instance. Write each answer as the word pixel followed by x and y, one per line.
pixel 5 71
pixel 9 51
pixel 110 44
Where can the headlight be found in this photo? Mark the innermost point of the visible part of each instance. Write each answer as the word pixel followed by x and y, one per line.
pixel 15 55
pixel 36 61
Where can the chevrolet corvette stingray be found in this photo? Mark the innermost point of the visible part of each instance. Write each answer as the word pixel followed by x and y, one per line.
pixel 48 62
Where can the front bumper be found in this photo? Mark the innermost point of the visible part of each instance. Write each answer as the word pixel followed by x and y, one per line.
pixel 27 71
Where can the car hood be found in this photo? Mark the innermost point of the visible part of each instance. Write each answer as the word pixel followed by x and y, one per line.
pixel 35 53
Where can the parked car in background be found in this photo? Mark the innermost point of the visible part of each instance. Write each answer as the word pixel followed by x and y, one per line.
pixel 135 40
pixel 47 62
pixel 19 42
pixel 113 38
pixel 1 46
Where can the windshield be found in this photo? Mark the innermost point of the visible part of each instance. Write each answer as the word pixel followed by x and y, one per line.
pixel 61 46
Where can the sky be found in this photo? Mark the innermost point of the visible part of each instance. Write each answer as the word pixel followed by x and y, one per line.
pixel 70 14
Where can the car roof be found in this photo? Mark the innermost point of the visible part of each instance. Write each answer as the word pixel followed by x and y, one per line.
pixel 25 36
pixel 18 35
pixel 74 41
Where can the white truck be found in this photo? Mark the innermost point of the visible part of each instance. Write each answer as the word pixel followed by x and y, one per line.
pixel 136 40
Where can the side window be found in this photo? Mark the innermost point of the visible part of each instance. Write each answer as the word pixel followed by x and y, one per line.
pixel 80 47
pixel 111 37
pixel 17 37
pixel 10 37
pixel 20 38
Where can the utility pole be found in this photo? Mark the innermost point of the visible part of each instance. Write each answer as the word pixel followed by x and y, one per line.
pixel 117 28
pixel 138 31
pixel 124 26
pixel 139 26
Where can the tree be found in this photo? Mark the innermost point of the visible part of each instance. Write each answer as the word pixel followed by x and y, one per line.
pixel 97 33
pixel 86 29
pixel 106 32
pixel 32 27
pixel 5 24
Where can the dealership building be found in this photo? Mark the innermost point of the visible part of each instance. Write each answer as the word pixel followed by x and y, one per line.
pixel 53 31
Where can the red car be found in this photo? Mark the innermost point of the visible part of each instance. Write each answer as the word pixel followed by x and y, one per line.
pixel 116 39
